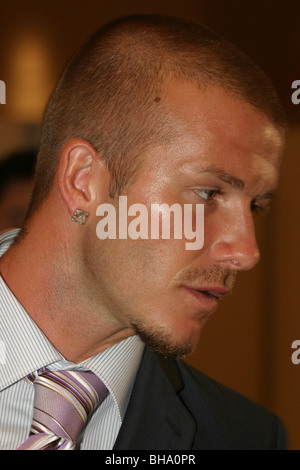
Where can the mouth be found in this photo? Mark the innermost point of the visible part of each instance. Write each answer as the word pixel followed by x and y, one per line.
pixel 209 296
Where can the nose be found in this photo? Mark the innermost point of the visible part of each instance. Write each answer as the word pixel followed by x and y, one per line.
pixel 235 244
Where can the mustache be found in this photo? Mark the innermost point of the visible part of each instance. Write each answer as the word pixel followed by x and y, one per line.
pixel 215 275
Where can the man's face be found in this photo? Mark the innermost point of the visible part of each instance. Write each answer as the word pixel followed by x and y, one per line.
pixel 225 155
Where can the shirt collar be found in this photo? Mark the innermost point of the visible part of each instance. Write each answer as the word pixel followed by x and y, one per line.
pixel 117 367
pixel 7 239
pixel 25 348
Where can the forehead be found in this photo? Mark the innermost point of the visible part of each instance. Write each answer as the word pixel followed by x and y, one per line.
pixel 211 127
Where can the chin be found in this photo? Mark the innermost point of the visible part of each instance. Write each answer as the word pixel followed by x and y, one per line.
pixel 166 342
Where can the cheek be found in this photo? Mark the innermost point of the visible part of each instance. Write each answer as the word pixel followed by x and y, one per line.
pixel 143 266
pixel 212 226
pixel 149 263
pixel 220 223
pixel 130 274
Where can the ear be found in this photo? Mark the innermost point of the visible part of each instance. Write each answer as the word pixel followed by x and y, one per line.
pixel 82 176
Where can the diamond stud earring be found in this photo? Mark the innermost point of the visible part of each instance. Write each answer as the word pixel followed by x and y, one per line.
pixel 80 216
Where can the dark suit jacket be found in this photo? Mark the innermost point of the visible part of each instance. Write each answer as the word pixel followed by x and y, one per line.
pixel 175 407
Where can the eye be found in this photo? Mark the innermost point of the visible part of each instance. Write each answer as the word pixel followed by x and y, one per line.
pixel 207 194
pixel 261 209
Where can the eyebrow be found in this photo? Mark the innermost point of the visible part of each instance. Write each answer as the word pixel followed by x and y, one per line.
pixel 232 181
pixel 223 176
pixel 268 195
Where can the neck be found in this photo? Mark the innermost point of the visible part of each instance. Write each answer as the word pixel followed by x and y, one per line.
pixel 59 295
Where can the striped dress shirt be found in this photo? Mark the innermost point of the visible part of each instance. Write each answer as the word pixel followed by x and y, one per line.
pixel 24 349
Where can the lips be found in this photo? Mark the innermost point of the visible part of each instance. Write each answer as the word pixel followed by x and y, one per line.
pixel 208 293
pixel 216 292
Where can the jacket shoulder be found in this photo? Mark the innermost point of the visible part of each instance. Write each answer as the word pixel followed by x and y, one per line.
pixel 236 421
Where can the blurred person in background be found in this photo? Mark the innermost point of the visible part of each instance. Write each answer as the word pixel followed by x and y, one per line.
pixel 16 184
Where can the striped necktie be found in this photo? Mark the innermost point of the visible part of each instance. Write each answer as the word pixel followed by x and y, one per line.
pixel 63 402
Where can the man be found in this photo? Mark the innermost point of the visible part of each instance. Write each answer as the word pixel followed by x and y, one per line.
pixel 163 111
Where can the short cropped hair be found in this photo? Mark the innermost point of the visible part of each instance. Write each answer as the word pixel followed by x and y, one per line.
pixel 109 92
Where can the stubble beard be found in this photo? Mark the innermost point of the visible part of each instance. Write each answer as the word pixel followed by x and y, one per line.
pixel 161 341
pixel 158 340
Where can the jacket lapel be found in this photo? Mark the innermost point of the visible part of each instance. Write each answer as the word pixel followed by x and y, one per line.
pixel 156 418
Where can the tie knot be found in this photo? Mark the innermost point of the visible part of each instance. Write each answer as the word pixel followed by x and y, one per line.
pixel 83 390
pixel 63 402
